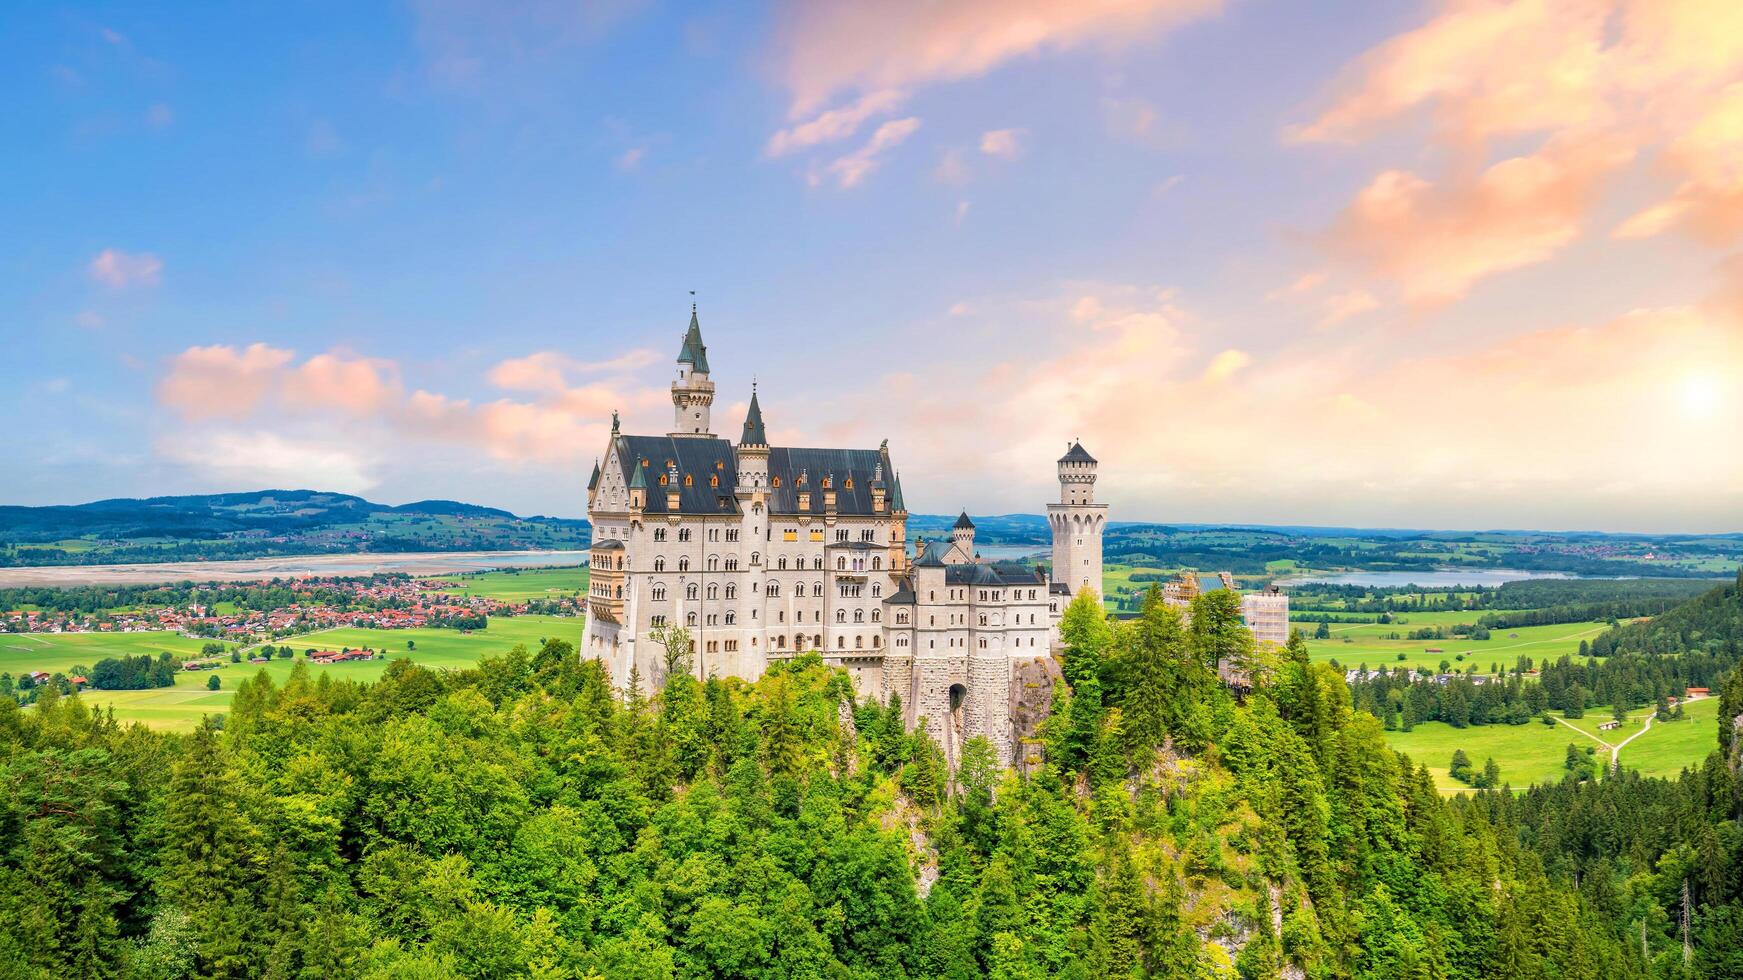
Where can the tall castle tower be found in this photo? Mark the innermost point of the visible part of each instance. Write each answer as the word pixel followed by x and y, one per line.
pixel 692 393
pixel 1077 522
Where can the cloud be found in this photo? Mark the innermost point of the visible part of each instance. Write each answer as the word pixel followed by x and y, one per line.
pixel 1005 143
pixel 852 169
pixel 952 169
pixel 207 382
pixel 1226 365
pixel 833 124
pixel 261 384
pixel 1349 303
pixel 1436 240
pixel 1602 83
pixel 264 458
pixel 119 270
pixel 630 159
pixel 159 116
pixel 1238 438
pixel 830 46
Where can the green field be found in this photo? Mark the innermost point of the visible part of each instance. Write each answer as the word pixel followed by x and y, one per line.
pixel 1535 753
pixel 1527 754
pixel 519 585
pixel 59 652
pixel 1504 647
pixel 180 708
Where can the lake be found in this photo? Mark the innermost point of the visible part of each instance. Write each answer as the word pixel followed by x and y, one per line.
pixel 1440 577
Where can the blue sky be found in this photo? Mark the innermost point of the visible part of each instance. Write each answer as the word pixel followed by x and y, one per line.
pixel 1283 263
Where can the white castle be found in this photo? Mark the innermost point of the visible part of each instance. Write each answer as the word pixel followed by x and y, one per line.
pixel 763 552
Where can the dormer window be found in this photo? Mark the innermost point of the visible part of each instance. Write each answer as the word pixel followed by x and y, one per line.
pixel 689 480
pixel 714 481
pixel 775 482
pixel 828 482
pixel 849 484
pixel 662 480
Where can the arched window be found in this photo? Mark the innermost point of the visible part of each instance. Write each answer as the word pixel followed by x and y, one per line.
pixel 781 563
pixel 683 534
pixel 901 641
pixel 859 615
pixel 774 588
pixel 732 563
pixel 841 615
pixel 817 563
pixel 689 480
pixel 714 563
pixel 877 641
pixel 714 591
pixel 841 564
pixel 877 590
pixel 690 591
pixel 659 593
pixel 659 564
pixel 690 619
pixel 901 619
pixel 877 615
pixel 817 589
pixel 732 591
pixel 731 618
pixel 877 564
pixel 780 641
pixel 683 564
pixel 840 642
pixel 659 534
pixel 817 639
pixel 756 559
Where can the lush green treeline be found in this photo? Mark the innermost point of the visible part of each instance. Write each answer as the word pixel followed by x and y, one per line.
pixel 1529 602
pixel 262 596
pixel 521 819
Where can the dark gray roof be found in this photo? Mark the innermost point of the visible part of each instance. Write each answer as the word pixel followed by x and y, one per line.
pixel 753 424
pixel 696 458
pixel 963 523
pixel 904 595
pixel 593 481
pixel 992 573
pixel 694 352
pixel 1077 454
pixel 815 465
pixel 932 555
pixel 1059 588
pixel 609 544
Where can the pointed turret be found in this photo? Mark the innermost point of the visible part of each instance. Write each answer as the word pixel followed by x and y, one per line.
pixel 694 352
pixel 593 481
pixel 754 434
pixel 896 502
pixel 692 393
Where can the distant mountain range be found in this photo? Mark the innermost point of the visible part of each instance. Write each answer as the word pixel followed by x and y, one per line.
pixel 265 523
pixel 271 523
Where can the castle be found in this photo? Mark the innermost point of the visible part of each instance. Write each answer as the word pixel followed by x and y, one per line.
pixel 763 552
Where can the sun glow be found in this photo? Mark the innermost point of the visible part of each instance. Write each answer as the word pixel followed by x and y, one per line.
pixel 1701 396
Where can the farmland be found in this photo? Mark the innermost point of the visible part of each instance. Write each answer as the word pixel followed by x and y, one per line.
pixel 519 584
pixel 1535 753
pixel 180 707
pixel 1355 645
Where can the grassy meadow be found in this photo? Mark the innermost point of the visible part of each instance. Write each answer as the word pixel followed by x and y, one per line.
pixel 180 708
pixel 60 652
pixel 519 584
pixel 1356 644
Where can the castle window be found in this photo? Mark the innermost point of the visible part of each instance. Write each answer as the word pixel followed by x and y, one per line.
pixel 877 615
pixel 841 615
pixel 659 534
pixel 732 534
pixel 841 564
pixel 849 484
pixel 713 481
pixel 690 591
pixel 877 641
pixel 901 641
pixel 877 591
pixel 662 480
pixel 659 593
pixel 859 615
pixel 817 563
pixel 789 535
pixel 659 564
pixel 714 563
pixel 817 589
pixel 775 482
pixel 732 563
pixel 901 619
pixel 683 534
pixel 688 480
pixel 683 564
pixel 658 621
pixel 781 563
pixel 731 618
pixel 774 588
pixel 714 592
pixel 840 642
pixel 690 619
pixel 756 559
pixel 720 464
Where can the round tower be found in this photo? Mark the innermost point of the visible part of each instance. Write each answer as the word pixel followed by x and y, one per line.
pixel 692 393
pixel 1077 522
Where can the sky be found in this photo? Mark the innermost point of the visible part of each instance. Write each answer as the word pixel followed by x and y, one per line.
pixel 1456 264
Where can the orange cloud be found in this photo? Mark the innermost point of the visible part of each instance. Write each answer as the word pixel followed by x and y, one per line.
pixel 833 124
pixel 851 170
pixel 1437 240
pixel 1006 143
pixel 207 382
pixel 838 45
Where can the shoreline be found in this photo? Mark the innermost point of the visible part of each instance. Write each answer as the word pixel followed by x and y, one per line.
pixel 286 566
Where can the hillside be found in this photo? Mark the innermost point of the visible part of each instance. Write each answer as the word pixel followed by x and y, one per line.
pixel 265 523
pixel 1710 623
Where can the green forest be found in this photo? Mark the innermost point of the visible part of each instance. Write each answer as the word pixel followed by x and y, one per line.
pixel 522 819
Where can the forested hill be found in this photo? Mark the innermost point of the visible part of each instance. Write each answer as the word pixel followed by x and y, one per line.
pixel 265 523
pixel 522 820
pixel 1711 622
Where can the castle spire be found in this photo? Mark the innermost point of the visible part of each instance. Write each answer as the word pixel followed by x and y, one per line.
pixel 694 352
pixel 754 433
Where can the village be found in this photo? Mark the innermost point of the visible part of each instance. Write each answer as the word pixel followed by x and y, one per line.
pixel 380 602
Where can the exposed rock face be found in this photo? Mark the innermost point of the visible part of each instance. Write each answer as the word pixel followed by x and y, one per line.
pixel 1736 742
pixel 1032 683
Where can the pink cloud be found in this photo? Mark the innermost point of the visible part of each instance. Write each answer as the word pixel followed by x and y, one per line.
pixel 836 45
pixel 118 270
pixel 1006 143
pixel 833 124
pixel 854 168
pixel 206 382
